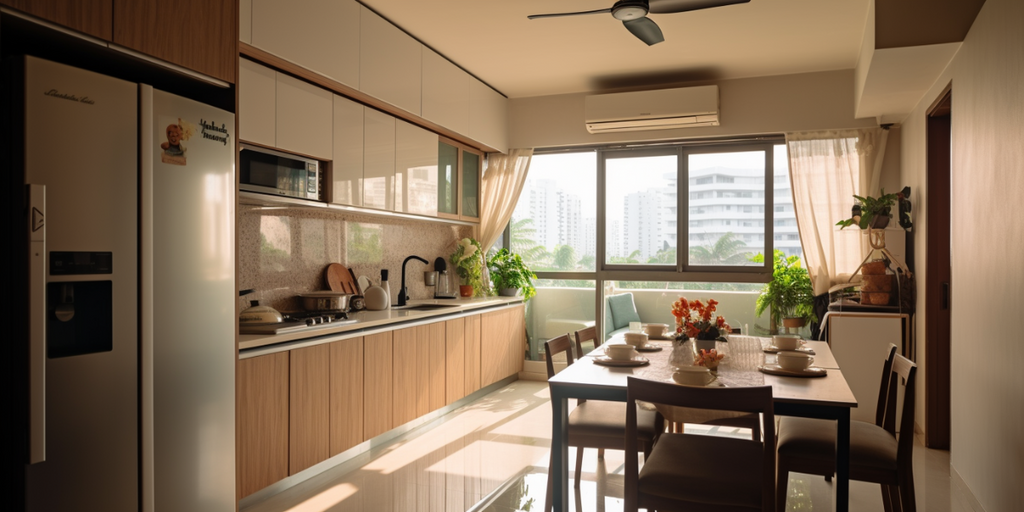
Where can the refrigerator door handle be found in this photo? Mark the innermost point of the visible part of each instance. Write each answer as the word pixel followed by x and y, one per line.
pixel 37 322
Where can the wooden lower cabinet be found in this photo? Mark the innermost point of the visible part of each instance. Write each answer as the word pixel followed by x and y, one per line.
pixel 346 394
pixel 455 360
pixel 435 369
pixel 309 407
pixel 472 376
pixel 501 354
pixel 263 422
pixel 419 372
pixel 377 385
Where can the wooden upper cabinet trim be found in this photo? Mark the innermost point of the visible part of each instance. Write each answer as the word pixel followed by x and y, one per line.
pixel 92 17
pixel 196 34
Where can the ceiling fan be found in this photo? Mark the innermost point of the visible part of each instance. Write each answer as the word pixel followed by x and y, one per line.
pixel 633 14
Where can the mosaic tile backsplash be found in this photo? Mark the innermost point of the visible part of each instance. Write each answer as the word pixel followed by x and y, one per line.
pixel 285 252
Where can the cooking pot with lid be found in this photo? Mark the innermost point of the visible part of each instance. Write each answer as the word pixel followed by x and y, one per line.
pixel 325 301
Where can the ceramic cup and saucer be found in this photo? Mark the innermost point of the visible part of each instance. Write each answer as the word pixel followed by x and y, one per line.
pixel 620 355
pixel 698 376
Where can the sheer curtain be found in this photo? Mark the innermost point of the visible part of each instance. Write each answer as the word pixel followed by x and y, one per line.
pixel 826 169
pixel 503 182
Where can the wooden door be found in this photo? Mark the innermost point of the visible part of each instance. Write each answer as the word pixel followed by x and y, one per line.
pixel 309 408
pixel 472 379
pixel 409 391
pixel 195 34
pixel 377 390
pixel 92 17
pixel 495 327
pixel 435 368
pixel 262 422
pixel 517 340
pixel 346 394
pixel 455 360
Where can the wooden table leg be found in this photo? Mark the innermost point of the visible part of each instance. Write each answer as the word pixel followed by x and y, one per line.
pixel 843 460
pixel 559 451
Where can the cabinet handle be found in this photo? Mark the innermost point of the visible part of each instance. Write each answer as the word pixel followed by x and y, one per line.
pixel 944 299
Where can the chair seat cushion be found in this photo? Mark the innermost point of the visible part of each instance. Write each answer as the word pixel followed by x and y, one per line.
pixel 870 445
pixel 608 419
pixel 705 469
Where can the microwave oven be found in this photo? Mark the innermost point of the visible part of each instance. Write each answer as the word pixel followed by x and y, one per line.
pixel 272 172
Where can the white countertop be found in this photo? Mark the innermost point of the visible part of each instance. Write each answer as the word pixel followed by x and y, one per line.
pixel 370 319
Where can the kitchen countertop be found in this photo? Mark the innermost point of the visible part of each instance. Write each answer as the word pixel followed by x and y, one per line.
pixel 366 320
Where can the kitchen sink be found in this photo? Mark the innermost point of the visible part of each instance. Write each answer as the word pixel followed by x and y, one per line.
pixel 425 307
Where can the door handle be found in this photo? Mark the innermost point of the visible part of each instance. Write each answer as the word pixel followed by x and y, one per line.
pixel 944 298
pixel 37 322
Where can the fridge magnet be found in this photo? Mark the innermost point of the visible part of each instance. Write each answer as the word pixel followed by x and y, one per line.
pixel 174 148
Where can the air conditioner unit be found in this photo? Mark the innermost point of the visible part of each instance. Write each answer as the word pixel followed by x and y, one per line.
pixel 652 110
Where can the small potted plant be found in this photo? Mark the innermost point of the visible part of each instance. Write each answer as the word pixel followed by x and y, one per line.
pixel 468 261
pixel 509 275
pixel 789 294
pixel 873 212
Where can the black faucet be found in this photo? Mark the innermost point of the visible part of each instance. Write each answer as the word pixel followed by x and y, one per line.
pixel 403 294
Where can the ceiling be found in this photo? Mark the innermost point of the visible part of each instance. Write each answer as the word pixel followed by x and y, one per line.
pixel 493 40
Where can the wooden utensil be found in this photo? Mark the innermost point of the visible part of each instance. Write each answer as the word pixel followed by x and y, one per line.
pixel 339 279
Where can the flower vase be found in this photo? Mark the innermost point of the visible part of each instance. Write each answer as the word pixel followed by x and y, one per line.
pixel 682 355
pixel 699 345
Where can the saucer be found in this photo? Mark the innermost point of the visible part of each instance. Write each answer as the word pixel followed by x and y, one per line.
pixel 649 348
pixel 772 349
pixel 607 361
pixel 774 369
pixel 713 384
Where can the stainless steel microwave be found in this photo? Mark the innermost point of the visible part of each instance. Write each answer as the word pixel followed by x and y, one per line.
pixel 273 172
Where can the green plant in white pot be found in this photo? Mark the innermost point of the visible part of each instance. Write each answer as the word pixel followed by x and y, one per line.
pixel 509 274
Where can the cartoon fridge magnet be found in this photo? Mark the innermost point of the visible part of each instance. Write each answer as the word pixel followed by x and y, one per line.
pixel 174 149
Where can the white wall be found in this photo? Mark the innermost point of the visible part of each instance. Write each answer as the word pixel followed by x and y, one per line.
pixel 987 452
pixel 750 106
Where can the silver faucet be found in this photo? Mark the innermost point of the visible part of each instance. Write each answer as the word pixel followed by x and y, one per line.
pixel 403 294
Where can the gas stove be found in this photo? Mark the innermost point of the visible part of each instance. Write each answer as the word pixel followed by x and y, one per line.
pixel 299 322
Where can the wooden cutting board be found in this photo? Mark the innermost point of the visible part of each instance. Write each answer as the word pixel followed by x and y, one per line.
pixel 339 279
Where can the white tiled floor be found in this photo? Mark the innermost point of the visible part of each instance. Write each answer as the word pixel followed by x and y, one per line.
pixel 492 455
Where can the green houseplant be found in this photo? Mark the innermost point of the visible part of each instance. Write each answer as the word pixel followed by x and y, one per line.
pixel 468 259
pixel 788 294
pixel 508 272
pixel 874 212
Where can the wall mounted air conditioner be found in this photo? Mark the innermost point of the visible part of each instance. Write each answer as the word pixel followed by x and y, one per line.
pixel 652 110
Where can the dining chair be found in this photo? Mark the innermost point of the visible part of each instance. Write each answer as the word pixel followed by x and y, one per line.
pixel 588 334
pixel 599 424
pixel 877 454
pixel 699 472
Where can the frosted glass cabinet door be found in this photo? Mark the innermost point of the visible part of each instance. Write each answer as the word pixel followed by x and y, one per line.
pixel 415 169
pixel 257 99
pixel 348 152
pixel 304 118
pixel 389 62
pixel 378 160
pixel 447 180
pixel 471 185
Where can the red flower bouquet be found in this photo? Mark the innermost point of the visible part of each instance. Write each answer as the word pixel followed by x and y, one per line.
pixel 697 320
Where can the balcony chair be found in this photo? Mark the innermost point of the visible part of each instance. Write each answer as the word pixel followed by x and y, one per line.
pixel 619 311
pixel 599 424
pixel 876 455
pixel 700 472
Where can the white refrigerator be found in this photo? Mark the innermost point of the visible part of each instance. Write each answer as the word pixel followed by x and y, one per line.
pixel 132 292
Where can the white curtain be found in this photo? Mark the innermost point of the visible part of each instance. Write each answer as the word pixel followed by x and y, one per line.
pixel 503 182
pixel 826 169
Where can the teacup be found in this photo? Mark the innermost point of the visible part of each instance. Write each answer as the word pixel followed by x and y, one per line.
pixel 620 352
pixel 796 361
pixel 636 339
pixel 786 341
pixel 693 376
pixel 655 330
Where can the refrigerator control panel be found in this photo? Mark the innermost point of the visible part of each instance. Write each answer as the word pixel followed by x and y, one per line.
pixel 79 263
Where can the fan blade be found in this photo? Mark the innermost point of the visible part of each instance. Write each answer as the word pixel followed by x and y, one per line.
pixel 645 29
pixel 672 6
pixel 563 14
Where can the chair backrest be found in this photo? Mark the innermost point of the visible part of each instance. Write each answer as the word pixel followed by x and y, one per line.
pixel 590 333
pixel 555 346
pixel 883 388
pixel 903 371
pixel 739 399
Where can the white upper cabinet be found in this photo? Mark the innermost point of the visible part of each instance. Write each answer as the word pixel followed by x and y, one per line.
pixel 445 92
pixel 245 21
pixel 389 63
pixel 378 160
pixel 348 152
pixel 319 35
pixel 257 100
pixel 415 169
pixel 304 118
pixel 488 116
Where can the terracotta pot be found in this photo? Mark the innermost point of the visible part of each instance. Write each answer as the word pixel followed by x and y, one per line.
pixel 466 290
pixel 792 322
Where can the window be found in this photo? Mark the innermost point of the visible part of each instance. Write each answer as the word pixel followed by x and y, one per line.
pixel 640 193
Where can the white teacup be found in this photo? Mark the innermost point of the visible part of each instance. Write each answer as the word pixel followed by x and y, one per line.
pixel 636 339
pixel 786 341
pixel 620 351
pixel 796 361
pixel 655 330
pixel 693 376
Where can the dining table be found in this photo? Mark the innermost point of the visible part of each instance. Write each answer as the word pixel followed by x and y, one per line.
pixel 828 397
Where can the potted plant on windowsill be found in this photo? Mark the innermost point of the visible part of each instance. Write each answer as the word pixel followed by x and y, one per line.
pixel 468 260
pixel 509 275
pixel 789 294
pixel 873 212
